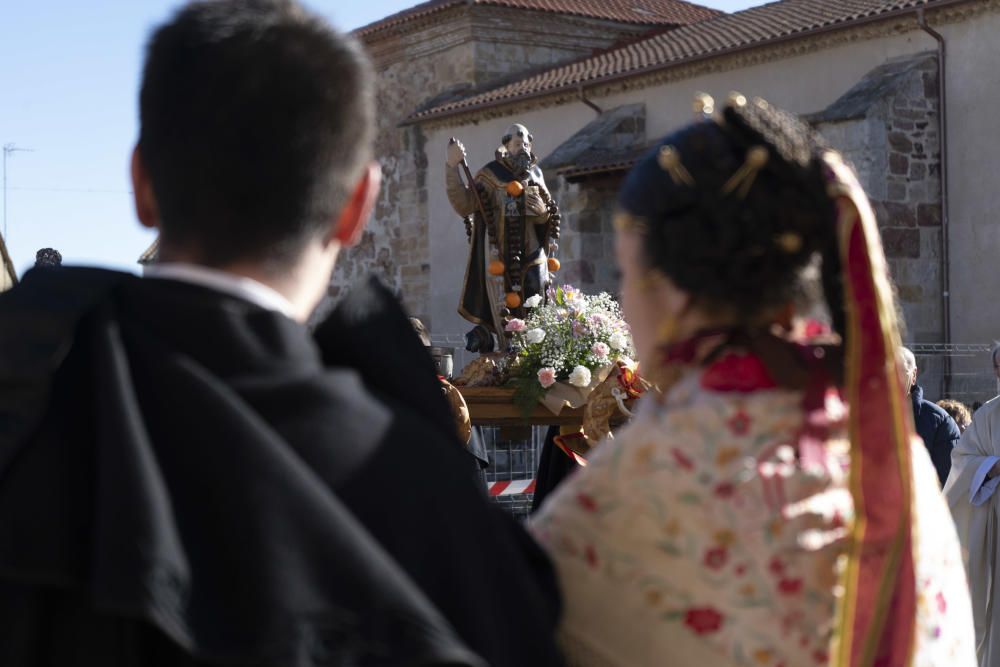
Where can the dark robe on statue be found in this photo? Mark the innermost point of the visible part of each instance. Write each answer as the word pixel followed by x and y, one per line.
pixel 189 479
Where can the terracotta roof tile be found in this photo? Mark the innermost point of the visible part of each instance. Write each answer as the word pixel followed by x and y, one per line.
pixel 643 12
pixel 750 27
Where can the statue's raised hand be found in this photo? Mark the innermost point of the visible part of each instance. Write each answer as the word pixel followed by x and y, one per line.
pixel 456 152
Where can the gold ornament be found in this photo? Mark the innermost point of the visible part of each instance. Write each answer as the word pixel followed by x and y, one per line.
pixel 742 180
pixel 703 104
pixel 790 242
pixel 670 161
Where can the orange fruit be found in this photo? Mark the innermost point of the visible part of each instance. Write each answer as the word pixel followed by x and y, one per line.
pixel 554 264
pixel 513 300
pixel 496 268
pixel 515 189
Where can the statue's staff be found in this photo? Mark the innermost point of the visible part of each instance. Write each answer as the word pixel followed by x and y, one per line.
pixel 471 182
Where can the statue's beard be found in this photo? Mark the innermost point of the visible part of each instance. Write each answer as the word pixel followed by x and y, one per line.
pixel 521 162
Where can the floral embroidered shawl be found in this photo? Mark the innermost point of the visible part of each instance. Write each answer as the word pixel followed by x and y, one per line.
pixel 698 537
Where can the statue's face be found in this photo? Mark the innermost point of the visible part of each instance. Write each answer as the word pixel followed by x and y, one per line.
pixel 518 145
pixel 520 140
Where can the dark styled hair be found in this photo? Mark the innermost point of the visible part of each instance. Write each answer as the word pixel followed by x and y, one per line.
pixel 48 257
pixel 257 118
pixel 740 246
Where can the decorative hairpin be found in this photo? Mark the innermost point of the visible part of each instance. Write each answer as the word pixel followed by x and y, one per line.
pixel 625 222
pixel 743 179
pixel 703 105
pixel 670 161
pixel 789 242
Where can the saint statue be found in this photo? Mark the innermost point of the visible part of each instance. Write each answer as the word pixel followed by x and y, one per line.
pixel 513 225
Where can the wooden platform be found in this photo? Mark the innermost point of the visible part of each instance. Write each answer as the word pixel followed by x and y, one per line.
pixel 494 406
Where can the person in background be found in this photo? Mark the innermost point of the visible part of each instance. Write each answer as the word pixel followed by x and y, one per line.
pixel 748 515
pixel 934 425
pixel 971 493
pixel 188 475
pixel 957 411
pixel 48 257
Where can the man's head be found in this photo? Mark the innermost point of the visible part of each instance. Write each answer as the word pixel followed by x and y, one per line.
pixel 255 141
pixel 48 257
pixel 909 365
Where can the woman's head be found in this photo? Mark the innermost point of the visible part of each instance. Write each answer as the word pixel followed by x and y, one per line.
pixel 721 221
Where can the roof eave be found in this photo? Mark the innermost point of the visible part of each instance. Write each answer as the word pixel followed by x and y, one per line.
pixel 582 85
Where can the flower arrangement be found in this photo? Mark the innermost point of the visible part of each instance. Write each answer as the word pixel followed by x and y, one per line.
pixel 571 339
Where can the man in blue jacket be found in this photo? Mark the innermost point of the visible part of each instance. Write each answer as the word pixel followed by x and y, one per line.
pixel 938 430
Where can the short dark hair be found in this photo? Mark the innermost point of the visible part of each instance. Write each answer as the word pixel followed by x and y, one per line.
pixel 48 257
pixel 256 120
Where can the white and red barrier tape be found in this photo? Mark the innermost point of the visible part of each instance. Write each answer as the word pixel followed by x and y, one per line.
pixel 512 487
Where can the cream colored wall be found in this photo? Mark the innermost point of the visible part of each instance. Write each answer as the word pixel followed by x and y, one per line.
pixel 973 91
pixel 803 83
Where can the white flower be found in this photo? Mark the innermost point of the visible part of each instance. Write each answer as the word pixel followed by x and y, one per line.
pixel 547 377
pixel 618 341
pixel 535 336
pixel 533 301
pixel 580 377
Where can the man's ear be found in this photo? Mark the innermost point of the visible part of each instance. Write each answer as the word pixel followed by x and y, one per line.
pixel 358 209
pixel 142 188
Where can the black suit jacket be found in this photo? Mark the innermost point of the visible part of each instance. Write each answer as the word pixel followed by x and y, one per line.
pixel 186 478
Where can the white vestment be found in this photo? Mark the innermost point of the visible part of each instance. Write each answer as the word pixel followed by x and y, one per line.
pixel 973 503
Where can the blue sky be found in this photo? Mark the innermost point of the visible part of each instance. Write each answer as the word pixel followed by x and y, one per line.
pixel 69 76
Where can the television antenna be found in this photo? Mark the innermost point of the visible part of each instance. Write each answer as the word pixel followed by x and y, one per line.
pixel 9 149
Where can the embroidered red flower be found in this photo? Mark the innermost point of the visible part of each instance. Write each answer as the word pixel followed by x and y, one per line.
pixel 703 620
pixel 790 586
pixel 682 459
pixel 586 502
pixel 741 569
pixel 591 555
pixel 724 490
pixel 942 604
pixel 820 656
pixel 739 423
pixel 776 566
pixel 737 372
pixel 715 558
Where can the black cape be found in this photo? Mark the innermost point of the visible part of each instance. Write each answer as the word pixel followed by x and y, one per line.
pixel 187 479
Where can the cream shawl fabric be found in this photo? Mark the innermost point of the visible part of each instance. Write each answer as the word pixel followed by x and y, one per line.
pixel 696 538
pixel 975 510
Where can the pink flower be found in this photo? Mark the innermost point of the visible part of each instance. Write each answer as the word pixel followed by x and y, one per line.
pixel 515 325
pixel 547 376
pixel 739 423
pixel 682 460
pixel 715 558
pixel 790 586
pixel 703 620
pixel 600 350
pixel 586 502
pixel 725 490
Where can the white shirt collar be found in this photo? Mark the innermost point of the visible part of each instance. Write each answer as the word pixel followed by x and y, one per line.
pixel 242 287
